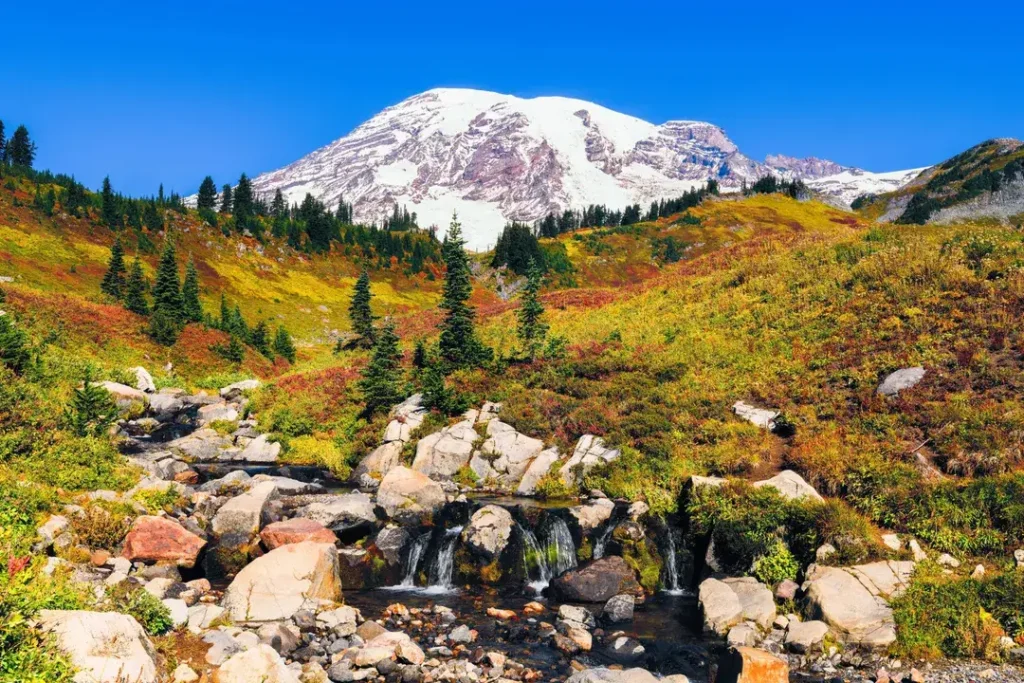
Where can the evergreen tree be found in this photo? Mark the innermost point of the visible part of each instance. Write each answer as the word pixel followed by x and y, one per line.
pixel 21 151
pixel 419 355
pixel 226 203
pixel 238 326
pixel 359 311
pixel 244 203
pixel 3 144
pixel 458 344
pixel 135 290
pixel 234 351
pixel 532 329
pixel 153 217
pixel 437 395
pixel 190 304
pixel 381 383
pixel 260 339
pixel 283 345
pixel 110 206
pixel 207 198
pixel 163 327
pixel 224 322
pixel 167 288
pixel 13 347
pixel 92 410
pixel 278 208
pixel 113 281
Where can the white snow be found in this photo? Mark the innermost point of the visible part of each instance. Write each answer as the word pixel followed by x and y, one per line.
pixel 852 183
pixel 399 173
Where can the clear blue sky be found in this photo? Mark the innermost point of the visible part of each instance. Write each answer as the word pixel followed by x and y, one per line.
pixel 152 92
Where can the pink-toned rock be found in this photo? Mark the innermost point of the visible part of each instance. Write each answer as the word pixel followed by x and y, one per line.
pixel 158 539
pixel 295 531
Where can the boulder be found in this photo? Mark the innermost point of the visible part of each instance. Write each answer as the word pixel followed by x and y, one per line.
pixel 791 485
pixel 762 417
pixel 720 606
pixel 390 542
pixel 537 470
pixel 506 454
pixel 296 530
pixel 218 412
pixel 749 665
pixel 598 581
pixel 379 462
pixel 341 511
pixel 165 406
pixel 124 396
pixel 243 515
pixel 756 600
pixel 489 530
pixel 410 412
pixel 593 514
pixel 603 675
pixel 202 445
pixel 158 539
pixel 108 647
pixel 804 637
pixel 619 608
pixel 233 391
pixel 143 380
pixel 284 638
pixel 50 530
pixel 260 450
pixel 851 602
pixel 202 616
pixel 589 452
pixel 902 379
pixel 742 635
pixel 261 663
pixel 282 582
pixel 286 486
pixel 444 453
pixel 406 494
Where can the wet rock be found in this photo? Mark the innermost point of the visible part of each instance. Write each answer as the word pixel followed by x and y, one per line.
pixel 282 582
pixel 598 581
pixel 625 647
pixel 619 608
pixel 158 539
pixel 577 616
pixel 108 647
pixel 295 530
pixel 462 634
pixel 749 665
pixel 593 514
pixel 804 637
pixel 390 542
pixel 489 530
pixel 444 453
pixel 409 495
pixel 590 451
pixel 261 663
pixel 791 485
pixel 901 380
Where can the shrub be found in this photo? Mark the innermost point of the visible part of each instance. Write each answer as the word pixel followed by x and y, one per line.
pixel 79 464
pixel 775 566
pixel 136 601
pixel 101 526
pixel 318 451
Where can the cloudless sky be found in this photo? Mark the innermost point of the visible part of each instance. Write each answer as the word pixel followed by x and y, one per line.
pixel 169 92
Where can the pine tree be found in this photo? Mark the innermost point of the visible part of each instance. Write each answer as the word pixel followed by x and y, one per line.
pixel 191 307
pixel 458 344
pixel 359 311
pixel 260 339
pixel 381 384
pixel 3 144
pixel 91 410
pixel 278 208
pixel 226 203
pixel 207 198
pixel 244 203
pixel 419 355
pixel 110 206
pixel 153 216
pixel 283 345
pixel 234 351
pixel 135 290
pixel 21 151
pixel 167 288
pixel 532 330
pixel 224 322
pixel 113 280
pixel 163 328
pixel 13 346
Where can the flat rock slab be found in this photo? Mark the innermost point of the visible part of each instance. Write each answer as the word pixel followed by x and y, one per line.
pixel 108 647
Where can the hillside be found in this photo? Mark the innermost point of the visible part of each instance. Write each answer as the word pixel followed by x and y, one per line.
pixel 984 182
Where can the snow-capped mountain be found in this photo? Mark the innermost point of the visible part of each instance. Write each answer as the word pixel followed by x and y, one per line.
pixel 494 158
pixel 851 183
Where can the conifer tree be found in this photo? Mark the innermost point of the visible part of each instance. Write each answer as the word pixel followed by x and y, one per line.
pixel 13 346
pixel 135 290
pixel 224 322
pixel 163 328
pixel 191 307
pixel 207 198
pixel 278 208
pixel 532 328
pixel 234 351
pixel 359 311
pixel 419 355
pixel 3 144
pixel 167 288
pixel 92 410
pixel 113 280
pixel 260 339
pixel 238 326
pixel 458 344
pixel 283 345
pixel 110 206
pixel 381 383
pixel 153 217
pixel 244 202
pixel 21 151
pixel 226 203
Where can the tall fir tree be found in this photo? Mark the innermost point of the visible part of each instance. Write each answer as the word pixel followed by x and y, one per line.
pixel 167 288
pixel 21 151
pixel 3 144
pixel 381 383
pixel 207 198
pixel 359 311
pixel 191 307
pixel 260 339
pixel 13 344
pixel 113 281
pixel 135 290
pixel 532 329
pixel 458 344
pixel 110 206
pixel 244 203
pixel 283 345
pixel 224 321
pixel 226 201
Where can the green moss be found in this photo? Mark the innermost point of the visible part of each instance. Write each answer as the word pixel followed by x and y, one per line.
pixel 645 560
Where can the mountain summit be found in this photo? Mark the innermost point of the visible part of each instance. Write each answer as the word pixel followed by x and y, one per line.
pixel 494 158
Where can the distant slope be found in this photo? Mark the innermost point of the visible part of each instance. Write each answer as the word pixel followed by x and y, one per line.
pixel 845 186
pixel 986 181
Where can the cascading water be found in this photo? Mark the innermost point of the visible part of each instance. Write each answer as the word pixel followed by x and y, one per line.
pixel 444 563
pixel 413 563
pixel 532 551
pixel 671 568
pixel 561 551
pixel 602 541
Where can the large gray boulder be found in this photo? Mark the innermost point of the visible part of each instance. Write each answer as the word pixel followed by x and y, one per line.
pixel 803 637
pixel 293 577
pixel 244 514
pixel 444 453
pixel 260 450
pixel 505 455
pixel 203 445
pixel 762 417
pixel 720 606
pixel 901 380
pixel 379 462
pixel 406 494
pixel 756 600
pixel 598 581
pixel 589 452
pixel 261 663
pixel 341 511
pixel 537 470
pixel 124 396
pixel 143 380
pixel 488 531
pixel 234 391
pixel 106 646
pixel 593 514
pixel 791 485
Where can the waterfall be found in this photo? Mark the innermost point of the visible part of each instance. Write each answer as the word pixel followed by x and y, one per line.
pixel 444 563
pixel 671 569
pixel 561 551
pixel 413 562
pixel 531 548
pixel 601 541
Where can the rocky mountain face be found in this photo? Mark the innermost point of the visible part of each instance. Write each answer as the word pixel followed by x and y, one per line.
pixel 494 158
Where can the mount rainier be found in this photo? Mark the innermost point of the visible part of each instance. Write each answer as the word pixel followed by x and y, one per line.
pixel 494 158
